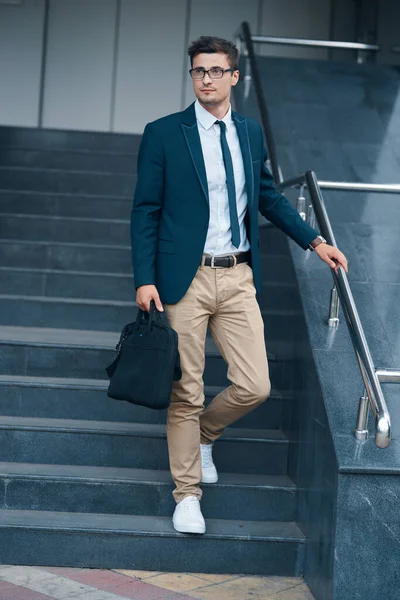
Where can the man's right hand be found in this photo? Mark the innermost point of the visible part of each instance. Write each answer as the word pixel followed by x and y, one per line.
pixel 145 294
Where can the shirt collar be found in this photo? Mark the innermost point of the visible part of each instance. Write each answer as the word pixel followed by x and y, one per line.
pixel 207 120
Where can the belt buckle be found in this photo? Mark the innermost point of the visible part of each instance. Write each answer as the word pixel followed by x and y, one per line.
pixel 213 266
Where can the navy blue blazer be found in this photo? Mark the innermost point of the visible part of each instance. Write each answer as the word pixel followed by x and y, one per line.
pixel 170 212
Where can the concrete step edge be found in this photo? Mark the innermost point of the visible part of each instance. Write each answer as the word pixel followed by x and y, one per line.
pixel 245 531
pixel 34 216
pixel 100 385
pixel 56 472
pixel 69 195
pixel 145 430
pixel 47 170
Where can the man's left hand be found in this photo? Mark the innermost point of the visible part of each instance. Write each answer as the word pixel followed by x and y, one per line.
pixel 332 256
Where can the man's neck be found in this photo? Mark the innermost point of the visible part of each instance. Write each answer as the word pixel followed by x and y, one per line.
pixel 218 111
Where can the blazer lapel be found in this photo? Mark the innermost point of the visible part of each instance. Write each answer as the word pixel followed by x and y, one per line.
pixel 192 136
pixel 243 135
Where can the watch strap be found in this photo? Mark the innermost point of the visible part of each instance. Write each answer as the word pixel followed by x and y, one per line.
pixel 317 241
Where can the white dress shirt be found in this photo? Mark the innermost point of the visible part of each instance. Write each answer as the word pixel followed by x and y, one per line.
pixel 218 241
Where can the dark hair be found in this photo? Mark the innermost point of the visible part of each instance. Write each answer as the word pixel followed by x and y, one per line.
pixel 210 45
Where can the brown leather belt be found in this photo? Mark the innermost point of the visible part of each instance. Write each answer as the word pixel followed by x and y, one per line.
pixel 221 262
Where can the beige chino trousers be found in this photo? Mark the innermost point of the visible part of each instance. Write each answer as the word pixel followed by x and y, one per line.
pixel 225 301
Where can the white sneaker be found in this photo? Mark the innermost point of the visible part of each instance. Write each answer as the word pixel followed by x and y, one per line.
pixel 208 471
pixel 187 516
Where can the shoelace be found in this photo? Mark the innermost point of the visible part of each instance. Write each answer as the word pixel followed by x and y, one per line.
pixel 206 456
pixel 192 507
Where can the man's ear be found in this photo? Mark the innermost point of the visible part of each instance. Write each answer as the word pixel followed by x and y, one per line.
pixel 235 77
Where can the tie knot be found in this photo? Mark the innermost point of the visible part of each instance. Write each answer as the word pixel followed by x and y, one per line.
pixel 221 124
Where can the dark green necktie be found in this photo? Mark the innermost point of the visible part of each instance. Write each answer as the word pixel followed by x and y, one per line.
pixel 230 184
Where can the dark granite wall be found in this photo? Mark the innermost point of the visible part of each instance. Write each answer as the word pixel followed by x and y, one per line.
pixel 343 122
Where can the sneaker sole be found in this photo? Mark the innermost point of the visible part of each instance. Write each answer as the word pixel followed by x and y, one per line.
pixel 186 529
pixel 209 479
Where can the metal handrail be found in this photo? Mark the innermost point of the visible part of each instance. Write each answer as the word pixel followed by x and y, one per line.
pixel 387 188
pixel 245 35
pixel 373 395
pixel 288 41
pixel 360 344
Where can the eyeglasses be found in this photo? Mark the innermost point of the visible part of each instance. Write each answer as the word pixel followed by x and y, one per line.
pixel 213 73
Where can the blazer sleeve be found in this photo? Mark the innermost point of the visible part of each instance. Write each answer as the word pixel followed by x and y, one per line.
pixel 275 207
pixel 147 205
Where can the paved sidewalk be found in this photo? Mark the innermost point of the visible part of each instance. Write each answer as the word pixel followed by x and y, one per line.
pixel 42 583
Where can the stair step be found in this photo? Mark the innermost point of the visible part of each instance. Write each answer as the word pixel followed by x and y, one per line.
pixel 124 542
pixel 111 286
pixel 47 352
pixel 97 230
pixel 143 446
pixel 57 139
pixel 68 205
pixel 74 160
pixel 56 397
pixel 72 182
pixel 107 315
pixel 75 230
pixel 99 258
pixel 27 486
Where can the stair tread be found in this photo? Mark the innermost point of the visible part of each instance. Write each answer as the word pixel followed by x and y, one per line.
pixel 149 525
pixel 47 336
pixel 57 336
pixel 136 429
pixel 56 170
pixel 98 384
pixel 112 302
pixel 121 474
pixel 82 245
pixel 128 276
pixel 89 339
pixel 34 216
pixel 71 195
pixel 68 300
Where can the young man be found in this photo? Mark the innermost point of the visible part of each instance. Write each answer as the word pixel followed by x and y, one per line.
pixel 195 246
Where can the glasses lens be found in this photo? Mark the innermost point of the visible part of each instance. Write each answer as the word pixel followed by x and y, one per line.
pixel 216 72
pixel 197 73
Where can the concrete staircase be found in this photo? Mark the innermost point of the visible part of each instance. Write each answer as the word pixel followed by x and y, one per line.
pixel 84 479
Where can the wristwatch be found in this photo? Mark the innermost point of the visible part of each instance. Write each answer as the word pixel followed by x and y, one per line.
pixel 318 240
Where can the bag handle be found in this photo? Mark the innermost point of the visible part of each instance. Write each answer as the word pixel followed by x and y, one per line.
pixel 150 316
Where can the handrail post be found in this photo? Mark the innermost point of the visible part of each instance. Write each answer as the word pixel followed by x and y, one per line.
pixel 333 320
pixel 310 217
pixel 361 430
pixel 301 203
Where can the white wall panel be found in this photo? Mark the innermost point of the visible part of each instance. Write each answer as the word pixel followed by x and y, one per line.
pixel 80 50
pixel 220 18
pixel 150 62
pixel 21 37
pixel 292 18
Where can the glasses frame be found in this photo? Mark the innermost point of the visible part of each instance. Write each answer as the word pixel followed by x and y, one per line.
pixel 208 73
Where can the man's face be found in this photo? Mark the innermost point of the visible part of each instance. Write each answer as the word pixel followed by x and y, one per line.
pixel 209 91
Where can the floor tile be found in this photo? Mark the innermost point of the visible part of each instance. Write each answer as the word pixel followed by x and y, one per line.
pixel 173 596
pixel 96 595
pixel 217 592
pixel 4 585
pixel 300 592
pixel 138 590
pixel 137 574
pixel 261 585
pixel 14 592
pixel 177 582
pixel 20 575
pixel 63 571
pixel 59 587
pixel 216 578
pixel 100 578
